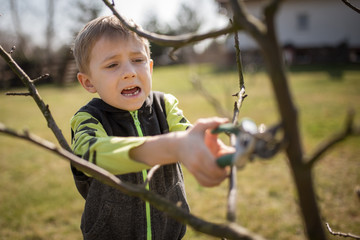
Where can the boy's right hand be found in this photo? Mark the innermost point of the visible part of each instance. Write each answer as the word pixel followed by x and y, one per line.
pixel 199 149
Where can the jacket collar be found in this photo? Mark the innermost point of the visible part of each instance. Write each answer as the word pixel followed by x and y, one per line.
pixel 100 104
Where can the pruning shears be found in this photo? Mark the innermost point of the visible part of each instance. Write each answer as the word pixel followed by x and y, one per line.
pixel 250 141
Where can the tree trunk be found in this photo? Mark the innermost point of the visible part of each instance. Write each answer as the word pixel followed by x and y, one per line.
pixel 289 115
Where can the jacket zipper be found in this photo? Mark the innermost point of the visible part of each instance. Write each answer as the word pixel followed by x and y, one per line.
pixel 134 115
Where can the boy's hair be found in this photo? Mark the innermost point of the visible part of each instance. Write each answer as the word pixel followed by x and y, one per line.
pixel 108 26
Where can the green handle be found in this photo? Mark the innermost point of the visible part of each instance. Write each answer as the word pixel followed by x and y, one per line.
pixel 227 127
pixel 225 160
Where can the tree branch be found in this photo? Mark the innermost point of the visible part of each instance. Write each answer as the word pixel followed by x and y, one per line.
pixel 232 195
pixel 244 21
pixel 169 41
pixel 196 83
pixel 340 233
pixel 42 77
pixel 336 138
pixel 347 3
pixel 238 61
pixel 270 13
pixel 150 174
pixel 18 94
pixel 271 9
pixel 265 35
pixel 44 108
pixel 231 231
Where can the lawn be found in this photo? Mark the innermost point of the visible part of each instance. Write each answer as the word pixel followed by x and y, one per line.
pixel 38 199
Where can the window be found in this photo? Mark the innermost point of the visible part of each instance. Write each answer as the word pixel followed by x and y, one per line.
pixel 302 22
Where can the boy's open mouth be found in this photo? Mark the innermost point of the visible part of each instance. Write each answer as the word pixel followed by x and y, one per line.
pixel 128 92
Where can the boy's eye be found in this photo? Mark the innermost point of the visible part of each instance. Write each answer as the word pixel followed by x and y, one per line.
pixel 138 60
pixel 112 65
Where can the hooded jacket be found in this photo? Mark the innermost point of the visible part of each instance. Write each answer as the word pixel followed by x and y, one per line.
pixel 104 135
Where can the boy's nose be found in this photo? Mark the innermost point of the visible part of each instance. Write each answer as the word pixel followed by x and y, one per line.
pixel 128 72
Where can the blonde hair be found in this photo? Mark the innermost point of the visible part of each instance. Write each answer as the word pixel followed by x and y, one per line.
pixel 108 26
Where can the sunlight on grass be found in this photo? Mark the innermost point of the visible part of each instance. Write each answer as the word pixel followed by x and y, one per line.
pixel 38 199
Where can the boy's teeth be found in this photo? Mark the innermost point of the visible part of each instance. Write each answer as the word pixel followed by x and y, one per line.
pixel 130 91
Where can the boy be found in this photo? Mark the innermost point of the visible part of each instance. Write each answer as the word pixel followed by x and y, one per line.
pixel 128 130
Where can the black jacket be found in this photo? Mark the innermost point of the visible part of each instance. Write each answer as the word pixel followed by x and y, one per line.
pixel 110 214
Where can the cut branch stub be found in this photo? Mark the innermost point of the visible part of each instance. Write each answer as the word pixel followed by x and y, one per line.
pixel 42 77
pixel 12 50
pixel 18 94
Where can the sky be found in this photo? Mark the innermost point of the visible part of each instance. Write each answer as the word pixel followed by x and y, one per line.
pixel 33 15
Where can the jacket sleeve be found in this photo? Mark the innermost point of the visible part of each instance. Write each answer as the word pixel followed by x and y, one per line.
pixel 91 142
pixel 174 115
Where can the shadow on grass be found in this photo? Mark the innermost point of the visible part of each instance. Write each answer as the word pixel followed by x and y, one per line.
pixel 335 71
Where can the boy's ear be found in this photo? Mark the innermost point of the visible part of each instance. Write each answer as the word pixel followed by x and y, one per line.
pixel 85 82
pixel 151 66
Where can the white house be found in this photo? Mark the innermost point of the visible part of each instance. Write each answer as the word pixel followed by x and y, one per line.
pixel 311 24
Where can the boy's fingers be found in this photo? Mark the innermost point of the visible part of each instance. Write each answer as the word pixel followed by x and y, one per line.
pixel 207 180
pixel 203 164
pixel 212 174
pixel 208 123
pixel 205 169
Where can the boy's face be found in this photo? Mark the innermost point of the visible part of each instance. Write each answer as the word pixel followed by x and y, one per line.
pixel 120 72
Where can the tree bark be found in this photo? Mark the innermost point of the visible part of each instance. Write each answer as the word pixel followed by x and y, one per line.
pixel 289 114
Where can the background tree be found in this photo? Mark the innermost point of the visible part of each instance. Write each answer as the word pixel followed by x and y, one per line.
pixel 187 20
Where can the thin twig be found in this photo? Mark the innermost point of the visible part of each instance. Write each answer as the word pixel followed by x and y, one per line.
pixel 44 108
pixel 231 231
pixel 151 173
pixel 18 94
pixel 170 41
pixel 340 233
pixel 240 99
pixel 252 25
pixel 347 3
pixel 336 138
pixel 238 60
pixel 42 77
pixel 232 195
pixel 197 84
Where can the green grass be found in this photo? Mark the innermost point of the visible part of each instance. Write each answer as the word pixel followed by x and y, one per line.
pixel 38 199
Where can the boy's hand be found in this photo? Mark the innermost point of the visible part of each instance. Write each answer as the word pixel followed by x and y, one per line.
pixel 199 150
pixel 196 148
